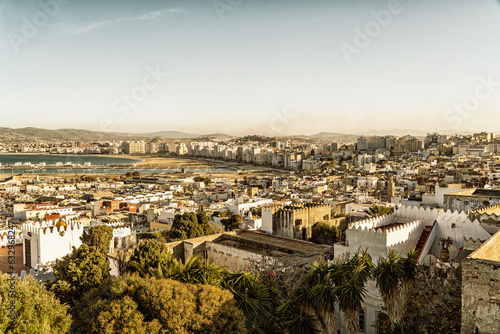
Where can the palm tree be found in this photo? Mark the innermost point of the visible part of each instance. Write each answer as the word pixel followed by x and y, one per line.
pixel 379 210
pixel 166 268
pixel 251 295
pixel 388 275
pixel 198 270
pixel 318 296
pixel 353 276
pixel 409 265
pixel 395 277
pixel 295 319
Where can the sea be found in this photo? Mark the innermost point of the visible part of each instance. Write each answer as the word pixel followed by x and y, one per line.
pixel 58 164
pixel 52 159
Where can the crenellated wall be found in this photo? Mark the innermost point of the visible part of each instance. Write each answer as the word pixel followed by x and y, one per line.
pixel 404 237
pixel 294 221
pixel 44 242
pixel 373 222
pixel 374 240
pixel 488 217
pixel 472 244
pixel 456 226
pixel 426 214
pixel 492 209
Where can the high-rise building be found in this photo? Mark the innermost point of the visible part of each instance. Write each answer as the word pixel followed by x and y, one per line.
pixel 131 147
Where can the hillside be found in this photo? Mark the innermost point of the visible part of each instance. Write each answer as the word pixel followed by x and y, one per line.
pixel 32 134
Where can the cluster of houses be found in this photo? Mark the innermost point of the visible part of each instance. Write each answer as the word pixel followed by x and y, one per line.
pixel 447 207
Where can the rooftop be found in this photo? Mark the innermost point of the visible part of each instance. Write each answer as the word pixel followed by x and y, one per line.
pixel 489 250
pixel 285 244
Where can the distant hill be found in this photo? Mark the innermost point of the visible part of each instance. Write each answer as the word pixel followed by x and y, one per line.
pixel 413 132
pixel 169 134
pixel 335 136
pixel 395 132
pixel 37 134
pixel 32 134
pixel 215 137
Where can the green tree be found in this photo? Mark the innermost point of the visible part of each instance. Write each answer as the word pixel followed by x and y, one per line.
pixel 198 270
pixel 203 221
pixel 252 297
pixel 388 274
pixel 351 280
pixel 232 222
pixel 323 233
pixel 81 270
pixel 38 311
pixel 186 226
pixel 395 277
pixel 311 305
pixel 153 258
pixel 147 235
pixel 410 270
pixel 379 210
pixel 205 180
pixel 99 236
pixel 131 304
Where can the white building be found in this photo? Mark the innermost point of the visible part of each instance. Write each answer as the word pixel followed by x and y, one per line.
pixel 47 241
pixel 241 207
pixel 408 227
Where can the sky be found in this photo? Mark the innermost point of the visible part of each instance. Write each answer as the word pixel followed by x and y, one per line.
pixel 250 66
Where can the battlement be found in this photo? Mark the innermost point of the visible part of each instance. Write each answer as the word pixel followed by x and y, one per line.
pixel 299 208
pixel 50 226
pixel 373 222
pixel 404 211
pixel 487 209
pixel 370 225
pixel 471 243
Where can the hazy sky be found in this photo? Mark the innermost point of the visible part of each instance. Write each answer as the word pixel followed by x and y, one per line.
pixel 250 66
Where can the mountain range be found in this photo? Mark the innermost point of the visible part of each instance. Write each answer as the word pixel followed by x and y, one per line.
pixel 32 134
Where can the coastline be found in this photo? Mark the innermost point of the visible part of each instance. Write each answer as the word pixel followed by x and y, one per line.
pixel 130 157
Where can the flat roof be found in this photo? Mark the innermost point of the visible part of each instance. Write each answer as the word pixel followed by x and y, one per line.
pixel 292 245
pixel 487 192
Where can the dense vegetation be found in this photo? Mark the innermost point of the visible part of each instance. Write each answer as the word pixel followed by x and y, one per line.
pixel 156 293
pixel 323 233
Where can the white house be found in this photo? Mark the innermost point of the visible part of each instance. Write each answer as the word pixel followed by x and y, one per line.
pixel 47 241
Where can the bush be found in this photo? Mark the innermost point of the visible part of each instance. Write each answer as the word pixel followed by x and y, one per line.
pixel 323 233
pixel 37 309
pixel 147 305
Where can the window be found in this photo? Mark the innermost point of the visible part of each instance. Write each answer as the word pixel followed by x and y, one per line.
pixel 362 320
pixel 27 252
pixel 326 217
pixel 298 222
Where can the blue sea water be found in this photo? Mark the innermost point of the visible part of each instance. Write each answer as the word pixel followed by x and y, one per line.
pixel 52 159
